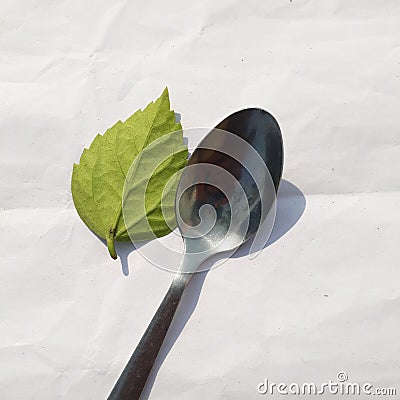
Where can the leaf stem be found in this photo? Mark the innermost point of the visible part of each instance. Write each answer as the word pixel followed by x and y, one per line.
pixel 112 234
pixel 111 245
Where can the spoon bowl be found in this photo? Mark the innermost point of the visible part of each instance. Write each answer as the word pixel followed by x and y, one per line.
pixel 228 188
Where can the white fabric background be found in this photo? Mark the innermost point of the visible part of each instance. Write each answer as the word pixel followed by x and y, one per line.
pixel 323 297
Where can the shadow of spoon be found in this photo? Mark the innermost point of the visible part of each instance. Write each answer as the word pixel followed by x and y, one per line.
pixel 291 204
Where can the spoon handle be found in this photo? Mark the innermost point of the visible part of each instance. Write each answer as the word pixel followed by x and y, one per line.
pixel 134 376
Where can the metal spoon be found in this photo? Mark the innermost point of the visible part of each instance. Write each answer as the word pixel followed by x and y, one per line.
pixel 224 195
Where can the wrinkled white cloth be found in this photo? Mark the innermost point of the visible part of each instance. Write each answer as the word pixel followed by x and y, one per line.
pixel 322 298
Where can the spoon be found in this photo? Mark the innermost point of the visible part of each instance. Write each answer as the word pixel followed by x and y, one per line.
pixel 225 194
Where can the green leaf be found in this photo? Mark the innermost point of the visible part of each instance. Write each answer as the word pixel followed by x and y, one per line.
pixel 138 160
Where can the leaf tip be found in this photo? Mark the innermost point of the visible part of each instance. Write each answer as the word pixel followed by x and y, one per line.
pixel 165 93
